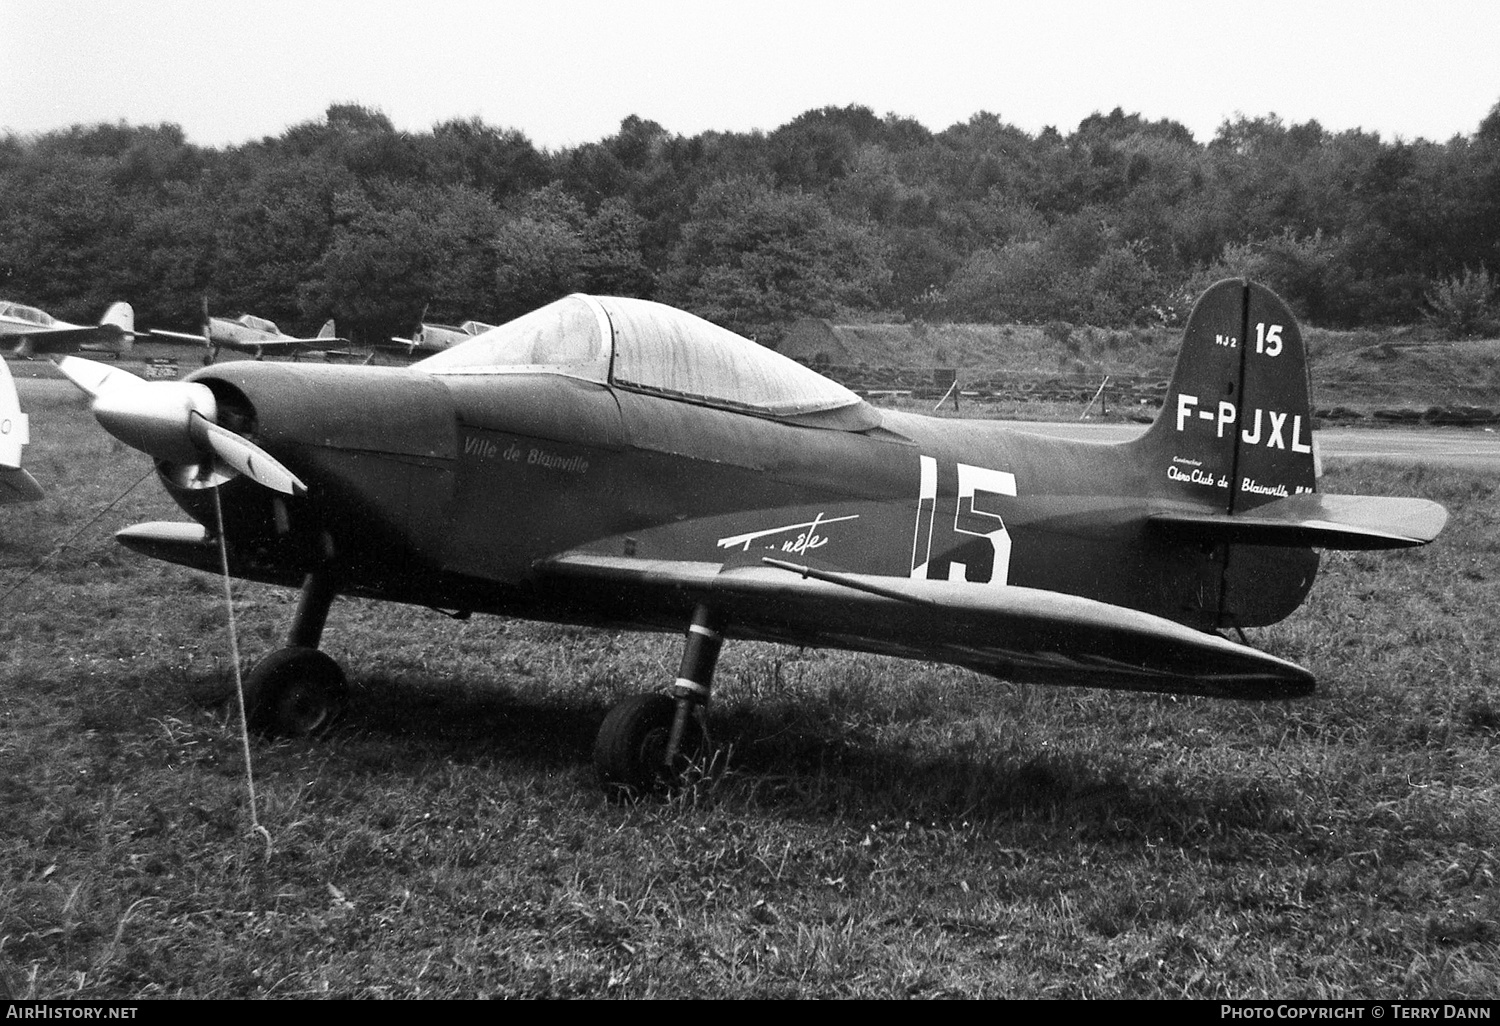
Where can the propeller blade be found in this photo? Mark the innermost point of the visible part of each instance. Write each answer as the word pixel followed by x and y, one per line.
pixel 153 416
pixel 210 353
pixel 246 457
pixel 174 422
pixel 91 377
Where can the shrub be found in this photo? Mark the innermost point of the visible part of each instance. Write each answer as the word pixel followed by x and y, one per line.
pixel 1061 332
pixel 1463 305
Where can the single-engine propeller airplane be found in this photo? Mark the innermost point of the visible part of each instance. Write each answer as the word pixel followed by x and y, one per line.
pixel 26 331
pixel 435 338
pixel 618 462
pixel 255 335
pixel 16 485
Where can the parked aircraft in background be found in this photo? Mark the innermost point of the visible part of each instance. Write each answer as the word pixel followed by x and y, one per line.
pixel 256 335
pixel 618 462
pixel 16 485
pixel 26 331
pixel 434 338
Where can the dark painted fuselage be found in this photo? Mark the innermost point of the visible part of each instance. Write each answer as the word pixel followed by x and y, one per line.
pixel 456 490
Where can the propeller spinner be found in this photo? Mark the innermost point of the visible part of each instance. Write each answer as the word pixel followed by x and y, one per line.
pixel 175 422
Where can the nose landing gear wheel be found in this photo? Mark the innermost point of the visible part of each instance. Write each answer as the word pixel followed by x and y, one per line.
pixel 294 692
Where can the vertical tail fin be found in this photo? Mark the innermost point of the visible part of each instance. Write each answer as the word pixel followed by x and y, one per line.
pixel 1236 428
pixel 328 330
pixel 122 317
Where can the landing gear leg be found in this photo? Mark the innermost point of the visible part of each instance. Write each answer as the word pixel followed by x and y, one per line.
pixel 298 691
pixel 312 611
pixel 650 742
pixel 700 655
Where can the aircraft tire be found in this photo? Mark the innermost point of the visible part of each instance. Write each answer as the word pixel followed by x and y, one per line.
pixel 294 692
pixel 632 740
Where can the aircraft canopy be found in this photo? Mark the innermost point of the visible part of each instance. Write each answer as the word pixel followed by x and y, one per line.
pixel 259 323
pixel 26 313
pixel 647 347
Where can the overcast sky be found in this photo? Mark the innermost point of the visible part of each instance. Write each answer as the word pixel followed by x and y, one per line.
pixel 567 71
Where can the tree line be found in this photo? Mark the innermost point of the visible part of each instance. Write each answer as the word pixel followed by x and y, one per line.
pixel 838 213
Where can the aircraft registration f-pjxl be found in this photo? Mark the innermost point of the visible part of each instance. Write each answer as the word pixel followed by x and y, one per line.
pixel 618 462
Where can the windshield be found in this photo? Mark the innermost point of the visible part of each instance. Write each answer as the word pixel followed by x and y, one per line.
pixel 570 336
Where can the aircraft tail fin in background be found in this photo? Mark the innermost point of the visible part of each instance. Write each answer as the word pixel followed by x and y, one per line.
pixel 328 330
pixel 121 315
pixel 1235 430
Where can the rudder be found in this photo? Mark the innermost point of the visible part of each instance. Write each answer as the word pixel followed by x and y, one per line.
pixel 121 315
pixel 121 318
pixel 1235 430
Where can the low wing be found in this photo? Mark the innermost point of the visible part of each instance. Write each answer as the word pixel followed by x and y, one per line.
pixel 178 336
pixel 264 345
pixel 1316 521
pixel 1020 634
pixel 285 344
pixel 62 340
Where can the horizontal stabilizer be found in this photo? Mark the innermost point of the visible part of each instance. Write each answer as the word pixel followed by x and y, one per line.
pixel 1019 634
pixel 1316 521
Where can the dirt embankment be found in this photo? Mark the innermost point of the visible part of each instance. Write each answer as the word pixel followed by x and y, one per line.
pixel 1402 373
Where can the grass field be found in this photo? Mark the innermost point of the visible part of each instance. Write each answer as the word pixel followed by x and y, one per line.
pixel 879 829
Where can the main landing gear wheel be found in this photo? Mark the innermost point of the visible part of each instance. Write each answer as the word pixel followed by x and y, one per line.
pixel 294 692
pixel 630 751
